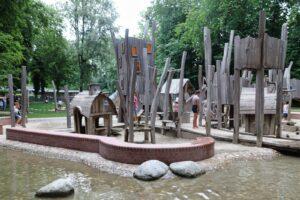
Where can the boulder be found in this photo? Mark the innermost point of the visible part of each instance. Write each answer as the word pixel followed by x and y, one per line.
pixel 187 169
pixel 151 170
pixel 59 188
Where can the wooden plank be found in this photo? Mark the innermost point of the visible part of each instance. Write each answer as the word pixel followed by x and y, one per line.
pixel 219 103
pixel 167 95
pixel 11 100
pixel 24 95
pixel 280 83
pixel 236 104
pixel 259 100
pixel 227 69
pixel 122 103
pixel 200 85
pixel 288 84
pixel 273 48
pixel 208 110
pixel 67 99
pixel 130 102
pixel 147 87
pixel 180 101
pixel 224 59
pixel 54 96
pixel 155 101
pixel 207 48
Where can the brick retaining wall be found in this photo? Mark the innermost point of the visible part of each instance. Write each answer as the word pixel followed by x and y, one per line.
pixel 4 121
pixel 115 150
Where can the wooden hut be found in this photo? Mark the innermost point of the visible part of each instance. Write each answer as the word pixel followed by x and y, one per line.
pixel 247 110
pixel 89 107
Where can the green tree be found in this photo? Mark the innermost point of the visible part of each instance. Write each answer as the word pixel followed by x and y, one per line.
pixel 91 21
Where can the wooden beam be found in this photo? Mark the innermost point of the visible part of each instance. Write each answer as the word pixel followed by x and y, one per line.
pixel 67 99
pixel 219 103
pixel 224 59
pixel 24 95
pixel 167 95
pixel 122 103
pixel 180 100
pixel 200 84
pixel 130 102
pixel 147 86
pixel 209 91
pixel 288 85
pixel 236 104
pixel 155 101
pixel 228 60
pixel 280 83
pixel 11 100
pixel 259 98
pixel 54 96
pixel 207 48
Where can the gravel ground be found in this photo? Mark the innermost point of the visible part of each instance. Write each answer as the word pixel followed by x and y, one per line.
pixel 225 153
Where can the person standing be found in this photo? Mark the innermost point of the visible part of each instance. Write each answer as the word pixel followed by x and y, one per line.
pixel 196 107
pixel 285 110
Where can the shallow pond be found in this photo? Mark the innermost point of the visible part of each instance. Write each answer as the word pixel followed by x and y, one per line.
pixel 22 174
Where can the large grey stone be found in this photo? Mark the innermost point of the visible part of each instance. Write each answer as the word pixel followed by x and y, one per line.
pixel 188 169
pixel 151 170
pixel 59 188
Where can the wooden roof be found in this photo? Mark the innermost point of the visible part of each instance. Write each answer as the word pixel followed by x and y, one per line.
pixel 83 101
pixel 247 101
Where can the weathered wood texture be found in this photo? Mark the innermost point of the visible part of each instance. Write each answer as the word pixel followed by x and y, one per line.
pixel 24 96
pixel 54 96
pixel 167 105
pixel 147 87
pixel 180 101
pixel 259 100
pixel 219 103
pixel 207 48
pixel 209 93
pixel 273 50
pixel 202 95
pixel 131 104
pixel 287 77
pixel 280 82
pixel 122 103
pixel 156 99
pixel 67 99
pixel 11 100
pixel 236 109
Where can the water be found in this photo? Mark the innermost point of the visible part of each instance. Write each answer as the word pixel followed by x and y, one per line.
pixel 22 174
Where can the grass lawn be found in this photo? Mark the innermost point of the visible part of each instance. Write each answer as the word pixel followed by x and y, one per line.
pixel 39 110
pixel 295 109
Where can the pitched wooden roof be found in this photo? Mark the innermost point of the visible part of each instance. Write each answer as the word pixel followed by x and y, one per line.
pixel 83 101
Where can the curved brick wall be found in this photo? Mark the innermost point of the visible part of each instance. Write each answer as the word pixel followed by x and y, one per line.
pixel 115 150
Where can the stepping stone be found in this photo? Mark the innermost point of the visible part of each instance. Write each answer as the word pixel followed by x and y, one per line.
pixel 187 169
pixel 59 188
pixel 151 170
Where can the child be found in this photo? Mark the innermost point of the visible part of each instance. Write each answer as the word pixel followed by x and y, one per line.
pixel 17 113
pixel 196 106
pixel 285 110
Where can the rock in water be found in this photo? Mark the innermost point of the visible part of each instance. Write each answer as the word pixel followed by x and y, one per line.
pixel 188 169
pixel 59 188
pixel 151 170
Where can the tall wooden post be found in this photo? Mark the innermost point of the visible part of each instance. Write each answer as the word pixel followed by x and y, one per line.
pixel 167 94
pixel 155 101
pixel 200 84
pixel 130 103
pixel 207 48
pixel 11 100
pixel 180 101
pixel 147 87
pixel 24 95
pixel 219 98
pixel 122 103
pixel 229 52
pixel 67 99
pixel 209 90
pixel 259 98
pixel 288 84
pixel 54 96
pixel 280 82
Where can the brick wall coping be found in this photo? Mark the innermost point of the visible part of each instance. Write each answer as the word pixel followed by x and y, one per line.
pixel 115 150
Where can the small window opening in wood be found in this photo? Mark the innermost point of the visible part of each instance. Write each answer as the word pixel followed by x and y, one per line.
pixel 137 65
pixel 149 48
pixel 134 51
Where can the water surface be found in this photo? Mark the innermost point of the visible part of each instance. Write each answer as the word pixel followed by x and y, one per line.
pixel 22 174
